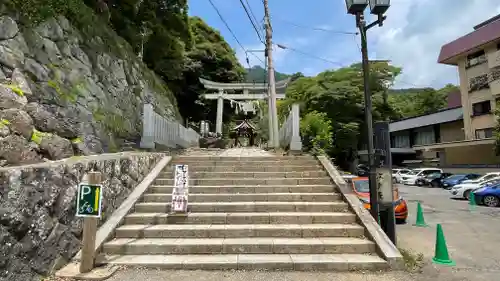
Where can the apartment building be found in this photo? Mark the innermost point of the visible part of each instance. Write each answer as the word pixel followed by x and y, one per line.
pixel 461 134
pixel 477 57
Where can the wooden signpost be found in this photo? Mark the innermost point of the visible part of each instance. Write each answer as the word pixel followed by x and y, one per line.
pixel 89 206
pixel 181 190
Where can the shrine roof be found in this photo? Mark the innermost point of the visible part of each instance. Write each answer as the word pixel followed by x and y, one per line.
pixel 244 125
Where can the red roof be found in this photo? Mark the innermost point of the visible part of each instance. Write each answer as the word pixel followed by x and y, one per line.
pixel 476 38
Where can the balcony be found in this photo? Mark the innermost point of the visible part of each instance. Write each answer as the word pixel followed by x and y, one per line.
pixel 494 59
pixel 475 61
pixel 478 83
pixel 494 80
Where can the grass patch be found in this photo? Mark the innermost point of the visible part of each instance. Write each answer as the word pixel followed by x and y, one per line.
pixel 65 93
pixel 15 89
pixel 112 122
pixel 37 136
pixel 413 261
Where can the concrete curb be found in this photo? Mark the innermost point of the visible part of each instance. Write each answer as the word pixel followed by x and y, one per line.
pixel 385 248
pixel 106 231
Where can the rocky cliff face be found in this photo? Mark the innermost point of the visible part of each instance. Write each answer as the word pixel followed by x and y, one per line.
pixel 38 227
pixel 63 93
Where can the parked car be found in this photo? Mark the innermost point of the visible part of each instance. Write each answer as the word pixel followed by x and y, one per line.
pixel 362 189
pixel 432 180
pixel 483 178
pixel 398 173
pixel 362 170
pixel 411 177
pixel 463 190
pixel 451 181
pixel 347 176
pixel 489 196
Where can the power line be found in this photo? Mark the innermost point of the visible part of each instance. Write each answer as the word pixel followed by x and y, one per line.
pixel 253 15
pixel 231 31
pixel 227 25
pixel 257 57
pixel 251 20
pixel 316 28
pixel 308 54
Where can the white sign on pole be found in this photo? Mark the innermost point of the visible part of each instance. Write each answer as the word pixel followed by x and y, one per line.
pixel 181 189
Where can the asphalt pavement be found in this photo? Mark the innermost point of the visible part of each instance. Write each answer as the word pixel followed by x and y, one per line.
pixel 472 235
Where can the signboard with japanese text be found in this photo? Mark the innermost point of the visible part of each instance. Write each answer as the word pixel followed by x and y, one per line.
pixel 181 189
pixel 89 200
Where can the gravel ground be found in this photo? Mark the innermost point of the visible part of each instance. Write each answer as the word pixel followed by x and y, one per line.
pixel 157 275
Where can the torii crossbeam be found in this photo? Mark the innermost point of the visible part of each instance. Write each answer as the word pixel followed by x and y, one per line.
pixel 245 87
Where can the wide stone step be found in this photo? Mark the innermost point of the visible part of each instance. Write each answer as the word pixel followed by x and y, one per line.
pixel 251 167
pixel 259 245
pixel 239 230
pixel 233 207
pixel 249 175
pixel 244 159
pixel 246 197
pixel 298 262
pixel 243 162
pixel 204 189
pixel 253 181
pixel 242 218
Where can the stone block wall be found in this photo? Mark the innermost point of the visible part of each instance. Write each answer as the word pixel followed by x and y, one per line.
pixel 38 227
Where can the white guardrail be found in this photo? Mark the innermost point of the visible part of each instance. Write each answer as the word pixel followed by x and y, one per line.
pixel 158 130
pixel 289 132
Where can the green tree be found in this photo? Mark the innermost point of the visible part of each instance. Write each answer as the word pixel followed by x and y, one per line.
pixel 316 129
pixel 338 96
pixel 210 57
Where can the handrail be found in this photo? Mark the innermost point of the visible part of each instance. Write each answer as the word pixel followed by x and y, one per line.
pixel 157 129
pixel 289 133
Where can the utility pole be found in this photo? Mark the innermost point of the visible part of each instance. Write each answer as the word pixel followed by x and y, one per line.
pixel 273 112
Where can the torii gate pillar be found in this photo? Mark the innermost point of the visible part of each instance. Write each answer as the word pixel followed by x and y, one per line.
pixel 220 108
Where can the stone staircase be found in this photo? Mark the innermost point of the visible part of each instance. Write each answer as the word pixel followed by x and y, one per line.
pixel 245 213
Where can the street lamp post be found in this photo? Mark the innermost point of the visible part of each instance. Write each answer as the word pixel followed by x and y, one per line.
pixel 357 8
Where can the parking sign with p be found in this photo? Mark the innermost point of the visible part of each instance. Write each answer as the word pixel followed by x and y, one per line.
pixel 89 201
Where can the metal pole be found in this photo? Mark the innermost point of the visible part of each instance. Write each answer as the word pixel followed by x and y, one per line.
pixel 372 178
pixel 383 145
pixel 273 114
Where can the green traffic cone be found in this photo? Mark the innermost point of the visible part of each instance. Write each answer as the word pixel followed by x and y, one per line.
pixel 420 217
pixel 441 255
pixel 472 201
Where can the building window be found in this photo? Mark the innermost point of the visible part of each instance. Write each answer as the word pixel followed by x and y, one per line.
pixel 400 141
pixel 481 108
pixel 478 83
pixel 484 133
pixel 475 59
pixel 424 137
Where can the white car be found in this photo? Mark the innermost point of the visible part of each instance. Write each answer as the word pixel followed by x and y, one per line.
pixel 487 176
pixel 411 178
pixel 398 173
pixel 463 190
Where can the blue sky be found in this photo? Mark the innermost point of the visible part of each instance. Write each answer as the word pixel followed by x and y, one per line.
pixel 411 37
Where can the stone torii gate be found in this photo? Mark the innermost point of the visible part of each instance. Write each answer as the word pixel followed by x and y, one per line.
pixel 247 88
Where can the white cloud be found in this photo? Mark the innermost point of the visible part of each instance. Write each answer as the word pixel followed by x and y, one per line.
pixel 411 38
pixel 415 30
